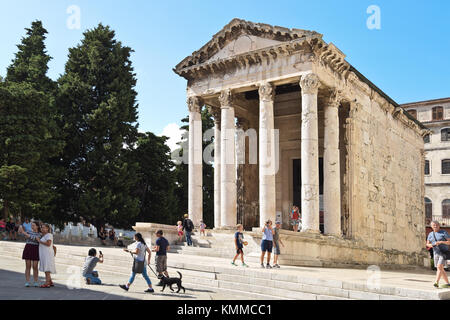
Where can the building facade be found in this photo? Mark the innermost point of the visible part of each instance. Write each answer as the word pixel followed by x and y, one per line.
pixel 435 115
pixel 320 132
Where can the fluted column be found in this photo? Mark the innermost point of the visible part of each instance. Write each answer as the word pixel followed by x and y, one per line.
pixel 227 162
pixel 195 175
pixel 331 167
pixel 310 153
pixel 217 139
pixel 267 155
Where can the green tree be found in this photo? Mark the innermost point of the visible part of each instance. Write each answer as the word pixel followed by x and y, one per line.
pixel 156 180
pixel 181 172
pixel 99 114
pixel 29 136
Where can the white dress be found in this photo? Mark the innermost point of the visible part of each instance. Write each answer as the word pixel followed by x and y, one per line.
pixel 46 255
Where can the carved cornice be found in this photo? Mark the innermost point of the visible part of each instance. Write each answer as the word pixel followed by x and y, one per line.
pixel 236 28
pixel 194 104
pixel 226 98
pixel 266 91
pixel 310 83
pixel 330 56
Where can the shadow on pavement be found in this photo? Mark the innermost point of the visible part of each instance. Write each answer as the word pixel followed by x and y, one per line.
pixel 13 289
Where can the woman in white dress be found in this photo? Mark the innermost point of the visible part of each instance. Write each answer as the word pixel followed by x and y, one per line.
pixel 46 255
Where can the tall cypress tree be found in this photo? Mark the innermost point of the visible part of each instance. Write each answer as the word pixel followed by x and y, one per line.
pixel 28 132
pixel 99 114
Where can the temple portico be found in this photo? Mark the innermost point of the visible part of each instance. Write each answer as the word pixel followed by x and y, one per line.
pixel 296 124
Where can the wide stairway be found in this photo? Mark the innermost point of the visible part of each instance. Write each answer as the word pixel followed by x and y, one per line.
pixel 202 266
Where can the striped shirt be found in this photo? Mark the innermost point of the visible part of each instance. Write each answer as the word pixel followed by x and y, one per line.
pixel 32 238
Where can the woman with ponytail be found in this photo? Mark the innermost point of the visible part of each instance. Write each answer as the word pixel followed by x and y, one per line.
pixel 139 265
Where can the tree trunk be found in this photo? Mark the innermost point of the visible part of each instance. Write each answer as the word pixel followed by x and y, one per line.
pixel 6 209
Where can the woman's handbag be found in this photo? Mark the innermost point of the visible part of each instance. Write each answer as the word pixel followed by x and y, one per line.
pixel 138 266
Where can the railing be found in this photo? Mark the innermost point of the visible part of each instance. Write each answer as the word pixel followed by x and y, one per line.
pixel 444 221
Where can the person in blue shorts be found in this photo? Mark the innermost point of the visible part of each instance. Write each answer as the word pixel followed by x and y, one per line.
pixel 266 243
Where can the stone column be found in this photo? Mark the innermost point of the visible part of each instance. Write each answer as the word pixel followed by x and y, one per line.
pixel 267 156
pixel 310 153
pixel 227 162
pixel 216 114
pixel 195 174
pixel 331 167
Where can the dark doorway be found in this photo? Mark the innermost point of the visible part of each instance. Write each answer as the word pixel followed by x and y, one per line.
pixel 297 180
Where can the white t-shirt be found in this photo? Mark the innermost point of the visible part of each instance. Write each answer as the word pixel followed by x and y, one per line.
pixel 142 248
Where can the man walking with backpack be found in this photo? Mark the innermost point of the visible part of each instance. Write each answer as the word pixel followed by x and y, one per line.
pixel 188 226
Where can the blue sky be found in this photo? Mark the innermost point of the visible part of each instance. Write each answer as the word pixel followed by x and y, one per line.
pixel 408 58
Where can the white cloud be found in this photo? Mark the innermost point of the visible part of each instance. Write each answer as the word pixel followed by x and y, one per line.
pixel 173 132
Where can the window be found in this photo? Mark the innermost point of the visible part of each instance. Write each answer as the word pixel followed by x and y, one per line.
pixel 438 113
pixel 446 208
pixel 428 210
pixel 427 167
pixel 413 113
pixel 426 139
pixel 445 134
pixel 446 166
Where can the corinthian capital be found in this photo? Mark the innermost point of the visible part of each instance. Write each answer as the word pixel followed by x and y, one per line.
pixel 310 83
pixel 194 104
pixel 226 98
pixel 215 112
pixel 266 91
pixel 335 97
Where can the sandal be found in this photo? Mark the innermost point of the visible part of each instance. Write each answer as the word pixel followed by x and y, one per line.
pixel 51 284
pixel 45 285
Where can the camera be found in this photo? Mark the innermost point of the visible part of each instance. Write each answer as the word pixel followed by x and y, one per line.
pixel 101 253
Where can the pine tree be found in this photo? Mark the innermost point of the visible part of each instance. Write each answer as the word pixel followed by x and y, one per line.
pixel 99 114
pixel 28 131
pixel 156 180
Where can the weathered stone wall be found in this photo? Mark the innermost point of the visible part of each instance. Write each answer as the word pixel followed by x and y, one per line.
pixel 388 184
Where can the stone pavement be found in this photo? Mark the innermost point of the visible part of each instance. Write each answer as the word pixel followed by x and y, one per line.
pixel 12 279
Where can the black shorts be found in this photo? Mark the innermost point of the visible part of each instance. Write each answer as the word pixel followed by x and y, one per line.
pixel 266 245
pixel 239 251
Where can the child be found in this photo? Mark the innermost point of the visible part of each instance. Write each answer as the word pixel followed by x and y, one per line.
pixel 276 243
pixel 31 253
pixel 202 227
pixel 46 255
pixel 91 261
pixel 239 243
pixel 180 231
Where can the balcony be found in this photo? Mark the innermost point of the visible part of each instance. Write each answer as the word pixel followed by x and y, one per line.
pixel 444 221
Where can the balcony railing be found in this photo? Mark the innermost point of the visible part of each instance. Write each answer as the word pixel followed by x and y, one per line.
pixel 444 221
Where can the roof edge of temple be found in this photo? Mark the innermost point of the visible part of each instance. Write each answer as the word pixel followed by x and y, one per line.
pixel 234 29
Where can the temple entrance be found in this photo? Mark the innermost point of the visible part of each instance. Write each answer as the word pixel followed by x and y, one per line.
pixel 297 187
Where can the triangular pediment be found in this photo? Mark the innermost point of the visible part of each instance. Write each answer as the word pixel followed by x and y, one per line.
pixel 240 36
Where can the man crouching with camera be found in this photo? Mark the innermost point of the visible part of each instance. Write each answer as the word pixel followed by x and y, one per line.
pixel 90 263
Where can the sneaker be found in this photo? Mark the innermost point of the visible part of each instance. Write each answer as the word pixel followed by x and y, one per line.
pixel 124 287
pixel 436 285
pixel 268 266
pixel 445 285
pixel 276 266
pixel 245 265
pixel 234 264
pixel 27 284
pixel 149 290
pixel 36 284
pixel 262 266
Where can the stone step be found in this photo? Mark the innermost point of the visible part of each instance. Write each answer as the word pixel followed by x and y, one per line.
pixel 222 275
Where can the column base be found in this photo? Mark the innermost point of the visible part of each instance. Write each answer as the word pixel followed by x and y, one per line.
pixel 225 228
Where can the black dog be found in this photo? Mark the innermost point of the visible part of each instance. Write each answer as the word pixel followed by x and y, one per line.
pixel 171 281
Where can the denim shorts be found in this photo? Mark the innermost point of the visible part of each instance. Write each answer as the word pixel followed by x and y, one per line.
pixel 266 245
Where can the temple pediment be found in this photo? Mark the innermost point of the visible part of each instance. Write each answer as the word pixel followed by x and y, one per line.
pixel 240 36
